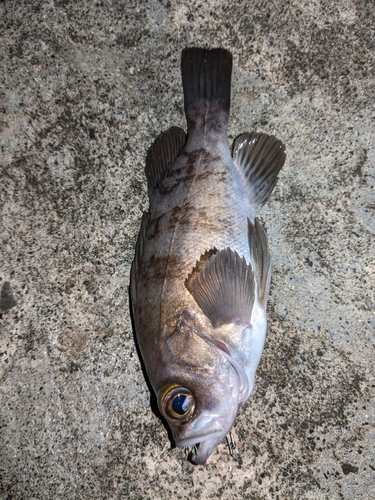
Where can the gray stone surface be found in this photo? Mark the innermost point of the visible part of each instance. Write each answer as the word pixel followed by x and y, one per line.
pixel 86 86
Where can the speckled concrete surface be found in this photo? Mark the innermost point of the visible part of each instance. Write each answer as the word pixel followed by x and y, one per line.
pixel 86 87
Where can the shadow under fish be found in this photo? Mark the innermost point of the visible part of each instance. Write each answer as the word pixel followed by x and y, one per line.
pixel 202 267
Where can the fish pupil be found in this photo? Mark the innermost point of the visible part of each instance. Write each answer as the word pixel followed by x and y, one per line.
pixel 181 404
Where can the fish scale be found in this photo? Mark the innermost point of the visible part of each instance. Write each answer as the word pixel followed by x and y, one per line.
pixel 201 273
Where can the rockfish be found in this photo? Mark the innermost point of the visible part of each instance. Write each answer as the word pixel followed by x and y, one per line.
pixel 202 267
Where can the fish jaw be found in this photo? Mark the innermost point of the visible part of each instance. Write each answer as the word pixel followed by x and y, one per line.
pixel 206 443
pixel 205 449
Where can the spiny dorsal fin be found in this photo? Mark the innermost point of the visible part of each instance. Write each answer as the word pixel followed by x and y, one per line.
pixel 162 155
pixel 261 257
pixel 259 157
pixel 138 254
pixel 224 289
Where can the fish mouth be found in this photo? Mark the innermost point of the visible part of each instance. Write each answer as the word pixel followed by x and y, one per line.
pixel 202 446
pixel 198 440
pixel 204 450
pixel 205 420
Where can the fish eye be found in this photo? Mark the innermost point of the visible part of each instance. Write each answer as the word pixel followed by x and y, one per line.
pixel 176 403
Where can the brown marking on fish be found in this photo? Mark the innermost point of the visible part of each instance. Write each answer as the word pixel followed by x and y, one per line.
pixel 154 228
pixel 186 213
pixel 173 218
pixel 165 266
pixel 174 175
pixel 208 162
pixel 163 189
pixel 202 214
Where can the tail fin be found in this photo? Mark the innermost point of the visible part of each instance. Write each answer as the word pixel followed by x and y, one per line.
pixel 206 78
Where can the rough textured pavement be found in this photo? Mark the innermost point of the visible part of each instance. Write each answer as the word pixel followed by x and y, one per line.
pixel 86 86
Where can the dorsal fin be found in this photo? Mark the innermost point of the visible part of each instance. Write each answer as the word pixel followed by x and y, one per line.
pixel 138 254
pixel 162 155
pixel 224 289
pixel 261 258
pixel 259 157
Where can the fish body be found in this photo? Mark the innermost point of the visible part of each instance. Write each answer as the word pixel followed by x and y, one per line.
pixel 201 273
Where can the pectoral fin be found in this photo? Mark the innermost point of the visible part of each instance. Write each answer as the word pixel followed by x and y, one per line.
pixel 261 257
pixel 259 157
pixel 162 155
pixel 224 289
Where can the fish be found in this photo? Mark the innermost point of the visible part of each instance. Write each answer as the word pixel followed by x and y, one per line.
pixel 202 267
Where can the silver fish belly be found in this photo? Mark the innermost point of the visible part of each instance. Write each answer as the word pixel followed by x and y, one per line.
pixel 202 268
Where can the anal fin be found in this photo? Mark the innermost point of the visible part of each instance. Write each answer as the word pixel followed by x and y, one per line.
pixel 259 158
pixel 224 289
pixel 261 258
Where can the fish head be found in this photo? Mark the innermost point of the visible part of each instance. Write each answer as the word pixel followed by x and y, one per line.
pixel 201 392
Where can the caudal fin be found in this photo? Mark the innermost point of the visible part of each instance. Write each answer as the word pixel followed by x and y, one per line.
pixel 206 78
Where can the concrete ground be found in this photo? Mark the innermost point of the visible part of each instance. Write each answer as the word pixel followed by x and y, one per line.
pixel 86 87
